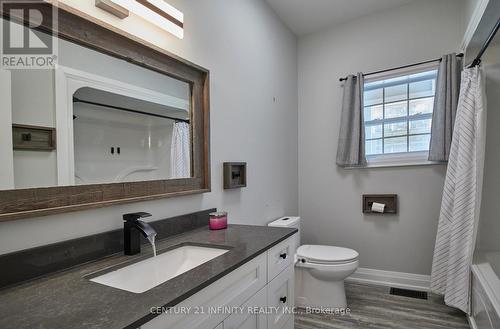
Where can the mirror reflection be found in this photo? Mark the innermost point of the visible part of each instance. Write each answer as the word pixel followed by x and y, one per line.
pixel 92 119
pixel 122 139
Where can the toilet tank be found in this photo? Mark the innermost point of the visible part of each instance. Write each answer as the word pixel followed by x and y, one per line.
pixel 291 222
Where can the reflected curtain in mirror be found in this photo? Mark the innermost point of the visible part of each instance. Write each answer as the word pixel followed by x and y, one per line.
pixel 180 151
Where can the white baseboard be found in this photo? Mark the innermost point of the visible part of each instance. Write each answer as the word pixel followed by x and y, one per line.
pixel 472 322
pixel 391 279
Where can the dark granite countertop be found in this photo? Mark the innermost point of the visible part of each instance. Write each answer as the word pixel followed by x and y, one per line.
pixel 68 299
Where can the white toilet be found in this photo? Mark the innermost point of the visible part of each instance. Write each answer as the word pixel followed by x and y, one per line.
pixel 320 271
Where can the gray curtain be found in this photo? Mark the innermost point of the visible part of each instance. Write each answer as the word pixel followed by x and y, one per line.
pixel 351 145
pixel 445 107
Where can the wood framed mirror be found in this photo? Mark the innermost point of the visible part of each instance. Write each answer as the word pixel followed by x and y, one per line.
pixel 115 121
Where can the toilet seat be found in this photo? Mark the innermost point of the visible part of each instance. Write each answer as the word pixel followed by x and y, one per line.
pixel 326 255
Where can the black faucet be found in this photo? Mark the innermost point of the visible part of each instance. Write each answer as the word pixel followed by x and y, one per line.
pixel 132 228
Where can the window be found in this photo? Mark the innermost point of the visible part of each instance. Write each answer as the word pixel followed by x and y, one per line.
pixel 398 114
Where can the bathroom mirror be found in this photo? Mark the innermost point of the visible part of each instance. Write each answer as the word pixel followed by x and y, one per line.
pixel 113 120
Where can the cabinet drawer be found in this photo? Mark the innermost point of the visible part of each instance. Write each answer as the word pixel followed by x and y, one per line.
pixel 279 257
pixel 232 290
pixel 248 319
pixel 280 295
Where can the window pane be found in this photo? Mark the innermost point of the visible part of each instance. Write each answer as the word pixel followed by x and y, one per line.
pixel 420 126
pixel 421 106
pixel 397 80
pixel 374 85
pixel 422 88
pixel 395 129
pixel 373 147
pixel 373 97
pixel 419 143
pixel 374 113
pixel 373 131
pixel 395 93
pixel 427 74
pixel 395 145
pixel 389 102
pixel 395 110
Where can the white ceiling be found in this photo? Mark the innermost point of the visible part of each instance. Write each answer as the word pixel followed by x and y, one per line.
pixel 306 16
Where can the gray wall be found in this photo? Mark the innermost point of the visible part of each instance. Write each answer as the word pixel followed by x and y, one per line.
pixel 329 197
pixel 469 7
pixel 489 224
pixel 252 59
pixel 35 110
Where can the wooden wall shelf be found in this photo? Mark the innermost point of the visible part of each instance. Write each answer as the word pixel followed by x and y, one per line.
pixel 390 201
pixel 33 138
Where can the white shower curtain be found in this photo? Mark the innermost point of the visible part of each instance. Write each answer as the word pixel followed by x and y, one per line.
pixel 180 151
pixel 460 205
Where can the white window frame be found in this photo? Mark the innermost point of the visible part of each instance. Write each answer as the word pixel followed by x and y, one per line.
pixel 405 158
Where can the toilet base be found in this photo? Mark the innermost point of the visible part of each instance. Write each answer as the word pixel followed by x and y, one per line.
pixel 311 292
pixel 322 289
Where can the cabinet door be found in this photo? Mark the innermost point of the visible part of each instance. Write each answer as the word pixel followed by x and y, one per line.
pixel 248 316
pixel 280 298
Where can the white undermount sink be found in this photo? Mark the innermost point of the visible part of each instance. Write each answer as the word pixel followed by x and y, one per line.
pixel 149 273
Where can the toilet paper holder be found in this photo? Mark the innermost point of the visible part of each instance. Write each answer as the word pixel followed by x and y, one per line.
pixel 390 201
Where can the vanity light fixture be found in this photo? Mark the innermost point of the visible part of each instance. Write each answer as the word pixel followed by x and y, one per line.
pixel 157 12
pixel 112 8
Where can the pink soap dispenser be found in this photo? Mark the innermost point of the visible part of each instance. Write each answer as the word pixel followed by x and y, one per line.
pixel 218 220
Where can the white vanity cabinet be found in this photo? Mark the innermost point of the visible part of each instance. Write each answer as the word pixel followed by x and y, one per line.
pixel 207 308
pixel 257 295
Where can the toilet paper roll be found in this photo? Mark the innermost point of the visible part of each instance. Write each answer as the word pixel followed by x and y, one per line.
pixel 378 207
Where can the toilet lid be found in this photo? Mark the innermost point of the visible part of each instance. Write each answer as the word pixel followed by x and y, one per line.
pixel 327 254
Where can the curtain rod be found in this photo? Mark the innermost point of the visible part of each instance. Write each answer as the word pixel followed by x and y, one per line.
pixel 477 60
pixel 403 67
pixel 77 100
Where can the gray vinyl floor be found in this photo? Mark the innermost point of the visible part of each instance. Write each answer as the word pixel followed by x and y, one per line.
pixel 374 308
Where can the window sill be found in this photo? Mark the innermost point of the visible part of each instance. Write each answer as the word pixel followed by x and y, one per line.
pixel 398 160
